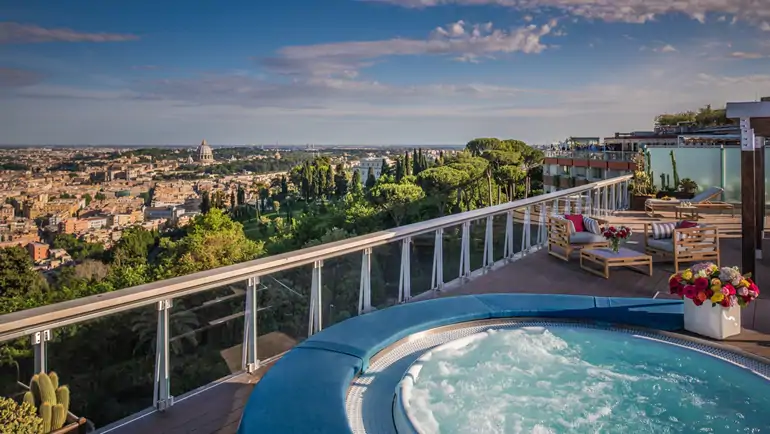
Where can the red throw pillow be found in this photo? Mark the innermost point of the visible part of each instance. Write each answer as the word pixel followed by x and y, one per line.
pixel 577 221
pixel 686 225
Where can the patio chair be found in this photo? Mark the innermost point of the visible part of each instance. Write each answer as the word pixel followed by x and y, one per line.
pixel 702 200
pixel 683 244
pixel 563 239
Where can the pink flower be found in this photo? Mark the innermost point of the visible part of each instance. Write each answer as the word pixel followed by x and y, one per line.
pixel 701 283
pixel 743 292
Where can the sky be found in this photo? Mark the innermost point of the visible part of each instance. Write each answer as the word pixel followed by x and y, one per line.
pixel 372 72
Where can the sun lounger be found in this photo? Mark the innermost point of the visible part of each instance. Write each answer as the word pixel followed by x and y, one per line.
pixel 701 201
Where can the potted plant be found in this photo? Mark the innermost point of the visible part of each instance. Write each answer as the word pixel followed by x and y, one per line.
pixel 713 298
pixel 642 187
pixel 687 187
pixel 51 402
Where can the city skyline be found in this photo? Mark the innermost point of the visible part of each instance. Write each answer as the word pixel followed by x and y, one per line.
pixel 370 72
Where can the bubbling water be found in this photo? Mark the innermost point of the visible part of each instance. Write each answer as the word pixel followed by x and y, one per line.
pixel 580 380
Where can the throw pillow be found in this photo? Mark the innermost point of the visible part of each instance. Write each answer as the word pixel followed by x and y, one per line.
pixel 686 225
pixel 662 231
pixel 577 221
pixel 591 225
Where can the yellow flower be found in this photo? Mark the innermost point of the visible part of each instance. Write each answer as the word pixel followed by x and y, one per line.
pixel 717 297
pixel 716 282
pixel 744 283
pixel 687 274
pixel 716 288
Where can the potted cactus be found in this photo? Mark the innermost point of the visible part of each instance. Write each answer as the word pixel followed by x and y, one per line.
pixel 51 402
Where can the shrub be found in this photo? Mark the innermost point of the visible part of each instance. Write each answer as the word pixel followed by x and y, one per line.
pixel 18 419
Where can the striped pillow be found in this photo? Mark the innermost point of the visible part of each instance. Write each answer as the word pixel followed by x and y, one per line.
pixel 571 225
pixel 591 225
pixel 662 231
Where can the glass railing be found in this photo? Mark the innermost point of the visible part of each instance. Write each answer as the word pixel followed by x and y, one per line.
pixel 138 350
pixel 592 155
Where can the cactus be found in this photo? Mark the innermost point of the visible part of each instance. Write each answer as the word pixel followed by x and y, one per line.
pixel 45 414
pixel 668 183
pixel 51 400
pixel 47 392
pixel 63 397
pixel 676 173
pixel 58 416
pixel 29 398
pixel 54 379
pixel 663 185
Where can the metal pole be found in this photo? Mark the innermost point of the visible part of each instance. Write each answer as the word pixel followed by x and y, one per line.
pixel 40 348
pixel 365 287
pixel 405 277
pixel 437 278
pixel 508 246
pixel 162 398
pixel 465 252
pixel 723 170
pixel 250 362
pixel 315 320
pixel 526 242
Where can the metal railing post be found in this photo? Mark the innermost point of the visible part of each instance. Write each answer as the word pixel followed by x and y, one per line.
pixel 526 241
pixel 613 199
pixel 606 202
pixel 40 348
pixel 162 398
pixel 542 233
pixel 488 245
pixel 405 277
pixel 626 198
pixel 508 246
pixel 465 252
pixel 365 288
pixel 579 204
pixel 437 277
pixel 249 360
pixel 314 320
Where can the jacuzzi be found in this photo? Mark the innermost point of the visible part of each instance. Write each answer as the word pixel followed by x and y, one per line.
pixel 512 363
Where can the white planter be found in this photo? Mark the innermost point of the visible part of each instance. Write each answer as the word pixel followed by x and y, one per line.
pixel 716 322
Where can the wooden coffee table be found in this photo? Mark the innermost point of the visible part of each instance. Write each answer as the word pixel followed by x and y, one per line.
pixel 605 258
pixel 682 212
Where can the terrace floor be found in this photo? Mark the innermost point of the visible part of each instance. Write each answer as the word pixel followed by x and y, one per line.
pixel 218 409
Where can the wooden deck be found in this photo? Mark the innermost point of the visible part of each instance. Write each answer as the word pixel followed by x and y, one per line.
pixel 218 410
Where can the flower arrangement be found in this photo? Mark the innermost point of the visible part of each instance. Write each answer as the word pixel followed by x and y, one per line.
pixel 706 282
pixel 616 235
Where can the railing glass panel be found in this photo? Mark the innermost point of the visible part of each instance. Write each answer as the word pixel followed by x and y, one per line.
pixel 108 364
pixel 283 303
pixel 206 336
pixel 421 263
pixel 499 223
pixel 452 245
pixel 341 280
pixel 385 269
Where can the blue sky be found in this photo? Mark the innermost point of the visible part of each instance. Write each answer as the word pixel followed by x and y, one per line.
pixel 368 71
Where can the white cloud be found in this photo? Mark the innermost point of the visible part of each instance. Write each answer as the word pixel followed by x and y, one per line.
pixel 746 55
pixel 667 48
pixel 16 33
pixel 632 11
pixel 460 40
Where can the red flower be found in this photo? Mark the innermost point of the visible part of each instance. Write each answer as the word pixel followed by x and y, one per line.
pixel 725 302
pixel 697 302
pixel 701 296
pixel 730 289
pixel 709 292
pixel 689 291
pixel 753 287
pixel 701 283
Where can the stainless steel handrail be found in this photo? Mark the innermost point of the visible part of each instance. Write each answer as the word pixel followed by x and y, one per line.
pixel 27 322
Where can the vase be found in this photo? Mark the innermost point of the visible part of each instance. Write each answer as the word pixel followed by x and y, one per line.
pixel 615 244
pixel 716 322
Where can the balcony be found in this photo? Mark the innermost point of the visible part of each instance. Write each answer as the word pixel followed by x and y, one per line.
pixel 613 160
pixel 205 339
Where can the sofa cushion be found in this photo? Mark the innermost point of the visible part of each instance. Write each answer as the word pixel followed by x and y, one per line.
pixel 662 231
pixel 586 238
pixel 577 221
pixel 666 244
pixel 569 223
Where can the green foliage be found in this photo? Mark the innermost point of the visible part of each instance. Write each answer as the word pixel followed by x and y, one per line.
pixel 21 287
pixel 676 173
pixel 77 248
pixel 18 419
pixel 704 117
pixel 396 198
pixel 687 185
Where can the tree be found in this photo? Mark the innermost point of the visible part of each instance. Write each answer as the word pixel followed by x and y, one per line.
pixel 233 202
pixel 477 146
pixel 340 181
pixel 284 187
pixel 241 195
pixel 396 198
pixel 355 183
pixel 205 202
pixel 212 240
pixel 100 196
pixel 87 197
pixel 133 248
pixel 21 287
pixel 77 248
pixel 441 183
pixel 370 179
pixel 329 189
pixel 386 169
pixel 399 172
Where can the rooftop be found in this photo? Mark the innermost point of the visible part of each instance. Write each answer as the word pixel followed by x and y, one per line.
pixel 215 405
